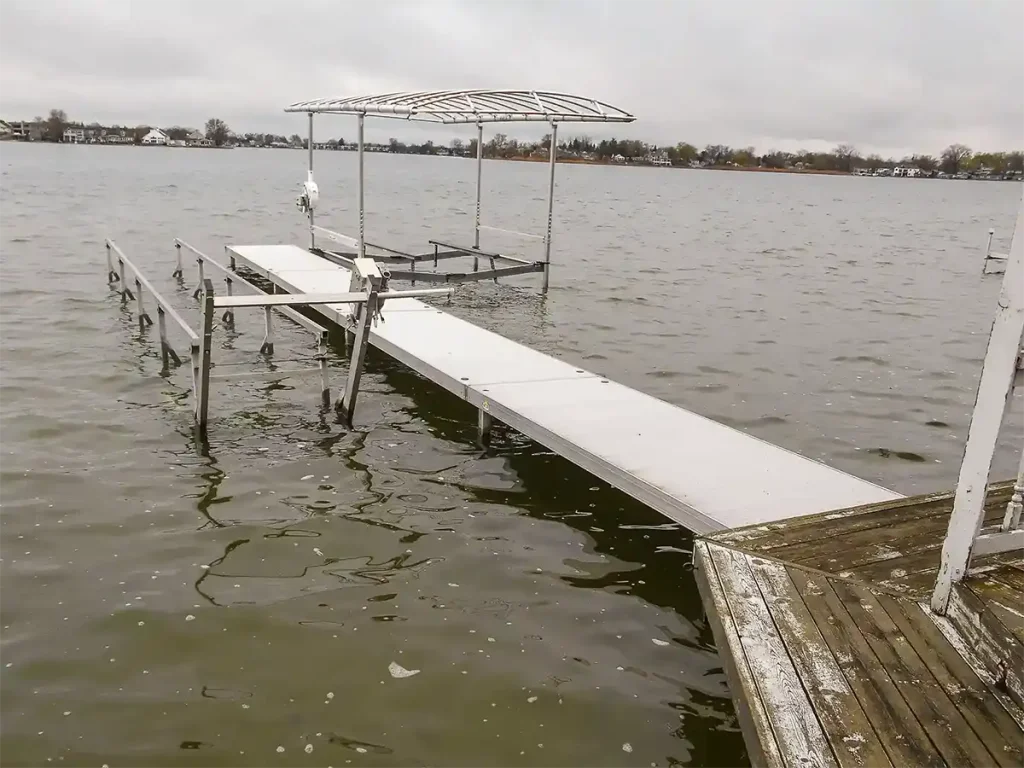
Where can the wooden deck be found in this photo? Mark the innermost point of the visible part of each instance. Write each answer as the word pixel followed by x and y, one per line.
pixel 834 657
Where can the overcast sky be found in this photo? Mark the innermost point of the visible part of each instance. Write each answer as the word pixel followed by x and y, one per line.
pixel 897 76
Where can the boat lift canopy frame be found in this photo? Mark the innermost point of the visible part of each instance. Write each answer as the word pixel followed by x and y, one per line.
pixel 455 108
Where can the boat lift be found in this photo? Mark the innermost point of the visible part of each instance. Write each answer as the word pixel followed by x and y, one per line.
pixel 451 108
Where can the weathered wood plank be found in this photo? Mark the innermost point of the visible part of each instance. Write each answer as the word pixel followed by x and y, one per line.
pixel 972 697
pixel 796 727
pixel 1012 576
pixel 754 723
pixel 838 522
pixel 938 715
pixel 898 728
pixel 1005 602
pixel 842 550
pixel 853 739
pixel 914 575
pixel 991 640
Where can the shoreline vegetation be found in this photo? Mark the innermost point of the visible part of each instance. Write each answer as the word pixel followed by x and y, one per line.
pixel 956 161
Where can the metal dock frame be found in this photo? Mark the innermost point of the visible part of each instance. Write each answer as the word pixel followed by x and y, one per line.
pixel 368 293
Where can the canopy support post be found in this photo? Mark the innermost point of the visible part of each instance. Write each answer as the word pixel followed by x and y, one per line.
pixel 479 188
pixel 551 206
pixel 312 235
pixel 362 210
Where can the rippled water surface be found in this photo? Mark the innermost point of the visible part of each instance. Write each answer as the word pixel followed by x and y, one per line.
pixel 170 603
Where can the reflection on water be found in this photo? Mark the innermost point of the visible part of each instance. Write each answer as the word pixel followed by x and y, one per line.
pixel 174 601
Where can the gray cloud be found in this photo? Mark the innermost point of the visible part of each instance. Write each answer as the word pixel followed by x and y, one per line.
pixel 895 77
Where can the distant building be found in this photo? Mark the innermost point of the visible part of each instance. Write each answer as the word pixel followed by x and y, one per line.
pixel 155 137
pixel 6 132
pixel 196 139
pixel 74 134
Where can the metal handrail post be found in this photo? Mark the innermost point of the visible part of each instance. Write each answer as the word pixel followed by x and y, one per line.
pixel 479 189
pixel 178 272
pixel 202 277
pixel 551 206
pixel 268 337
pixel 1011 520
pixel 126 292
pixel 325 383
pixel 229 314
pixel 111 274
pixel 144 318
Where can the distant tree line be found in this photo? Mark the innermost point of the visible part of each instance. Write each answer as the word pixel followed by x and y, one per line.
pixel 844 158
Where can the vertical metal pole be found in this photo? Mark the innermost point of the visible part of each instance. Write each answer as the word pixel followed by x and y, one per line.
pixel 268 339
pixel 161 322
pixel 988 248
pixel 202 278
pixel 177 268
pixel 312 236
pixel 551 206
pixel 325 384
pixel 361 329
pixel 144 318
pixel 479 187
pixel 484 422
pixel 362 209
pixel 124 285
pixel 203 404
pixel 229 314
pixel 196 354
pixel 111 274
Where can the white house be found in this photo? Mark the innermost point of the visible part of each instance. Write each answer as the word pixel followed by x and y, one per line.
pixel 155 137
pixel 74 135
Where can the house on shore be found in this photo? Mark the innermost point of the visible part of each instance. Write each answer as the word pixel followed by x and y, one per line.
pixel 74 134
pixel 196 139
pixel 155 138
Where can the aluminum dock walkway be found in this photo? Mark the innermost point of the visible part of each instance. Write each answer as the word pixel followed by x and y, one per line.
pixel 678 463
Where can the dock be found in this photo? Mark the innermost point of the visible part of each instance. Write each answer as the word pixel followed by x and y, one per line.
pixel 674 461
pixel 833 655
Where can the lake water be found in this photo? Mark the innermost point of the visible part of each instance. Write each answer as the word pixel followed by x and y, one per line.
pixel 169 604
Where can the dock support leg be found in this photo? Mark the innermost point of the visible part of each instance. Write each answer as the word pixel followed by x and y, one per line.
pixel 361 330
pixel 144 318
pixel 112 276
pixel 325 383
pixel 203 394
pixel 268 339
pixel 167 352
pixel 1011 520
pixel 202 280
pixel 126 292
pixel 178 272
pixel 484 422
pixel 229 315
pixel 196 355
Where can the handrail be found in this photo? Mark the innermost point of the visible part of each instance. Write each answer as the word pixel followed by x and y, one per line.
pixel 512 232
pixel 310 299
pixel 291 314
pixel 160 300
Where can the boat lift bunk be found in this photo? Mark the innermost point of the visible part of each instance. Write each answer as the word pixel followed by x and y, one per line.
pixel 450 108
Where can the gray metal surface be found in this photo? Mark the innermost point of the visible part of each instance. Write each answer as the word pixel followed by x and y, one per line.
pixel 474 106
pixel 695 471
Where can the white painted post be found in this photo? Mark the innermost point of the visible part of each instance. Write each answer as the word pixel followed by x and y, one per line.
pixel 203 400
pixel 196 354
pixel 112 276
pixel 202 278
pixel 126 292
pixel 1011 520
pixel 994 392
pixel 988 248
pixel 364 271
pixel 177 263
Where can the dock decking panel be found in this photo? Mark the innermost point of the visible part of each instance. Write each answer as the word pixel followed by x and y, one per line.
pixel 884 677
pixel 681 464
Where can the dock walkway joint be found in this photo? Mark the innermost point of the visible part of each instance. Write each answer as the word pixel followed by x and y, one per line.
pixel 833 655
pixel 680 464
